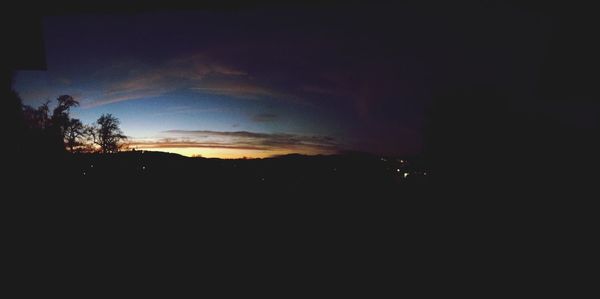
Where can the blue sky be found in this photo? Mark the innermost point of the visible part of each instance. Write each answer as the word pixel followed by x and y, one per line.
pixel 248 71
pixel 357 79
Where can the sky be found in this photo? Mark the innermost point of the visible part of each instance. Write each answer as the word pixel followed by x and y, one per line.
pixel 265 82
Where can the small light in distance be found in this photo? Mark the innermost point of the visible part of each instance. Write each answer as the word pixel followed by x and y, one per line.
pixel 406 174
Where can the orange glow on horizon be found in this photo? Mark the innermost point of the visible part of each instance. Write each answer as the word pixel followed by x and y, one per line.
pixel 228 153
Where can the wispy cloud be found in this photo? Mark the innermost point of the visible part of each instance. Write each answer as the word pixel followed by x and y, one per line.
pixel 136 86
pixel 200 66
pixel 185 110
pixel 131 81
pixel 236 89
pixel 198 73
pixel 248 90
pixel 121 96
pixel 228 71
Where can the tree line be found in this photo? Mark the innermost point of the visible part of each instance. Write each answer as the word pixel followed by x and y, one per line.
pixel 58 130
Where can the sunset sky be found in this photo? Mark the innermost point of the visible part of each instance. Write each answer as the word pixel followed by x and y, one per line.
pixel 258 83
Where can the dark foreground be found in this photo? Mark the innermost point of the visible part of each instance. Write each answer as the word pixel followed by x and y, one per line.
pixel 154 188
pixel 351 222
pixel 134 209
pixel 140 174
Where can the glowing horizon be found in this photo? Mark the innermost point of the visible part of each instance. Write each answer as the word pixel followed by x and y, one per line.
pixel 224 153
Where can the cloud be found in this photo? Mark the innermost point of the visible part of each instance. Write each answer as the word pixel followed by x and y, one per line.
pixel 136 86
pixel 247 90
pixel 228 71
pixel 276 142
pixel 236 90
pixel 200 66
pixel 198 73
pixel 185 110
pixel 264 117
pixel 120 97
pixel 133 80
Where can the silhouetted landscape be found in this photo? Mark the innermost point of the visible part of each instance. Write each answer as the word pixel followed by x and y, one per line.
pixel 56 146
pixel 285 176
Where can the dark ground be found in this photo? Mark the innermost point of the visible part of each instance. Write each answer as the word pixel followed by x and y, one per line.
pixel 144 176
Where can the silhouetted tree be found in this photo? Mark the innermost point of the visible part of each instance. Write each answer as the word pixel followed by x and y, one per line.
pixel 88 138
pixel 74 134
pixel 51 133
pixel 39 131
pixel 61 123
pixel 37 118
pixel 107 133
pixel 60 114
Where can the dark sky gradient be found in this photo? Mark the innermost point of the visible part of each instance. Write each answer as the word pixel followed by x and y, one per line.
pixel 259 82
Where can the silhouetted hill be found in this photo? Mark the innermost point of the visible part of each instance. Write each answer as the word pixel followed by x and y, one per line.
pixel 172 176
